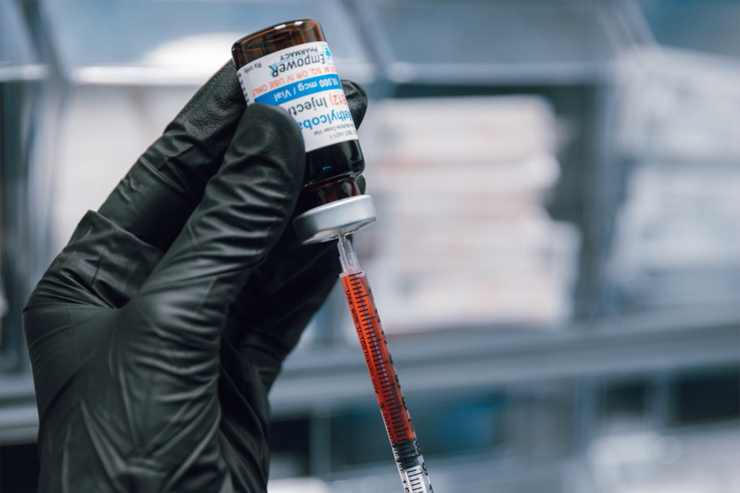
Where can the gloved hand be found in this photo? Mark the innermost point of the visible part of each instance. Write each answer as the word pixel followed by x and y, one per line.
pixel 157 332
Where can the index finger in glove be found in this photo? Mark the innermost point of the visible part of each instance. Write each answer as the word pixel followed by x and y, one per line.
pixel 244 211
pixel 167 182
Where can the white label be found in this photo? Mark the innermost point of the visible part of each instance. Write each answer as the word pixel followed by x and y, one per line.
pixel 303 80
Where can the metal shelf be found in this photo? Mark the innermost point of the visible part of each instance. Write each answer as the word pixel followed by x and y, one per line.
pixel 418 42
pixel 19 60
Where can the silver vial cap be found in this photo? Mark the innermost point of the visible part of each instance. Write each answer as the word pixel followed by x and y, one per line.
pixel 328 221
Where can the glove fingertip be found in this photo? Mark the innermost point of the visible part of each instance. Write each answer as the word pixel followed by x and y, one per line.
pixel 361 183
pixel 273 128
pixel 357 100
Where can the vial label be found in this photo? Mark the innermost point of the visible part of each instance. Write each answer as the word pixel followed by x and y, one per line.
pixel 302 79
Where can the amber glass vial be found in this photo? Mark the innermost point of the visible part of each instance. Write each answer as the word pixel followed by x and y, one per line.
pixel 331 170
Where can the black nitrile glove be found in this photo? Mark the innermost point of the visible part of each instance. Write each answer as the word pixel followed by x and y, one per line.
pixel 157 332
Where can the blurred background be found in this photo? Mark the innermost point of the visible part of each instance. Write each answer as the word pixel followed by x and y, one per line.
pixel 557 260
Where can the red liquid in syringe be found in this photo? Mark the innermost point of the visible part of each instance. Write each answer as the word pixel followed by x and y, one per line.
pixel 378 358
pixel 410 463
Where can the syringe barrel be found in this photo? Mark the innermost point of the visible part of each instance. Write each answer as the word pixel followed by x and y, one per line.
pixel 383 375
pixel 378 359
pixel 412 468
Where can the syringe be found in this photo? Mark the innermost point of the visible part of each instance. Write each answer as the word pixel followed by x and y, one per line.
pixel 387 388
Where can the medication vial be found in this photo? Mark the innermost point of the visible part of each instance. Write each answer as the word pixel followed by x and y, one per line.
pixel 290 65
